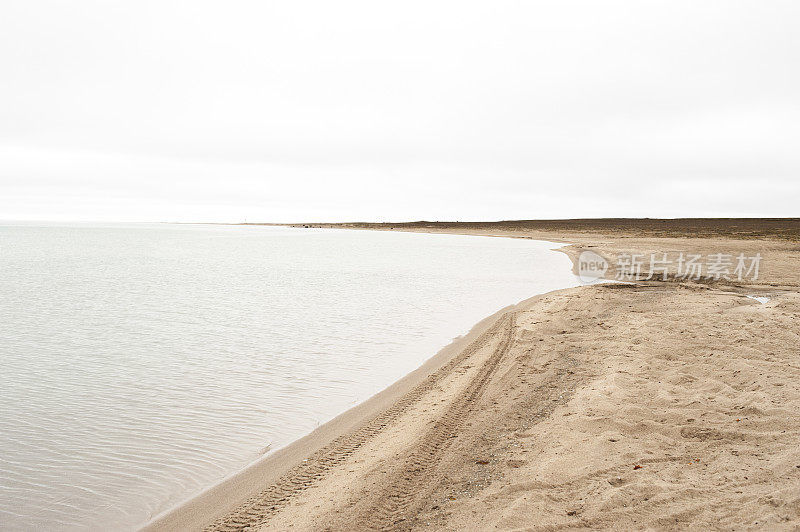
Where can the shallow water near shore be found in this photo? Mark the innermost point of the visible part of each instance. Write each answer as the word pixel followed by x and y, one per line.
pixel 144 363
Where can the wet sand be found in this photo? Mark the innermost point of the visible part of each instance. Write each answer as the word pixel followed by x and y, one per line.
pixel 647 405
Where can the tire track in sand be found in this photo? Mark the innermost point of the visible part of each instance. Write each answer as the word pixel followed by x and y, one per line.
pixel 258 509
pixel 397 504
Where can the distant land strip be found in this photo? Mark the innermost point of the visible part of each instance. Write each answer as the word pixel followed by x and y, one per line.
pixel 745 228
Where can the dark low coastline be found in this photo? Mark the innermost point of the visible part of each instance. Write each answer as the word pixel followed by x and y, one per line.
pixel 744 228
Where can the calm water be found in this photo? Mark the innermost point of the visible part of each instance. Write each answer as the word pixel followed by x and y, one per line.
pixel 141 364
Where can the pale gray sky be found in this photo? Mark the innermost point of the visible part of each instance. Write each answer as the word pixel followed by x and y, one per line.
pixel 287 111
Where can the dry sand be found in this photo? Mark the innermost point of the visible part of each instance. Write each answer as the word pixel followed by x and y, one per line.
pixel 665 405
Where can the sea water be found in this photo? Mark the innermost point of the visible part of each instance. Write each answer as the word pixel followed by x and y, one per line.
pixel 140 364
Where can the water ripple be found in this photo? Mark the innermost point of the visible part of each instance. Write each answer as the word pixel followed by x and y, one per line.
pixel 143 364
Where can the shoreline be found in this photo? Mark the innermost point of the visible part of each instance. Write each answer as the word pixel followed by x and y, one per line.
pixel 249 497
pixel 201 509
pixel 224 496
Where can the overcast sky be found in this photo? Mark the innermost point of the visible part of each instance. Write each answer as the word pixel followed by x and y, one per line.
pixel 312 111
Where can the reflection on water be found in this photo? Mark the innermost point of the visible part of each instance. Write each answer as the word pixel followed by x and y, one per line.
pixel 141 364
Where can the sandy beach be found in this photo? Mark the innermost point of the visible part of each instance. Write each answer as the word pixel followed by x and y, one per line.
pixel 653 404
pixel 255 256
